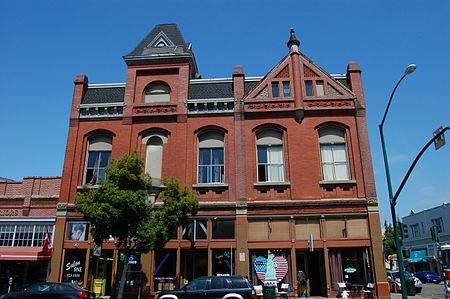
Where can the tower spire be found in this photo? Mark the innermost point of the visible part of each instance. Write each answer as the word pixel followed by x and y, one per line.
pixel 293 42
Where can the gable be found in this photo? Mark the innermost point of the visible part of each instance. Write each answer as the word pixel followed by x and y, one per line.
pixel 277 85
pixel 161 40
pixel 322 84
pixel 274 80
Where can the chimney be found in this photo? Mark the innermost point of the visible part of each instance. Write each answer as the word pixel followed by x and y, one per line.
pixel 238 82
pixel 355 82
pixel 81 85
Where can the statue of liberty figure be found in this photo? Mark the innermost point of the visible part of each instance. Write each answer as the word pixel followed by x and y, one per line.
pixel 270 269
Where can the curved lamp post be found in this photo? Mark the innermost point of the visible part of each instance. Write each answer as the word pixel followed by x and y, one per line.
pixel 409 70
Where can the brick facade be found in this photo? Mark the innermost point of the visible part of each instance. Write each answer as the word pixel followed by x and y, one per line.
pixel 238 108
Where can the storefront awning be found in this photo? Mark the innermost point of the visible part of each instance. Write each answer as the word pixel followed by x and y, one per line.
pixel 24 254
pixel 418 256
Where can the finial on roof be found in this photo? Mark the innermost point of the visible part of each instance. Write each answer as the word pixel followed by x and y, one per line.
pixel 293 42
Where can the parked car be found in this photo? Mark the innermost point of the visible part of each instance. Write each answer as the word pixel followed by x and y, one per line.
pixel 51 290
pixel 213 287
pixel 393 278
pixel 447 289
pixel 428 276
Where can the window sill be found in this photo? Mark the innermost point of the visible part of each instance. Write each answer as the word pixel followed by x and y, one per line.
pixel 87 186
pixel 338 183
pixel 271 184
pixel 210 186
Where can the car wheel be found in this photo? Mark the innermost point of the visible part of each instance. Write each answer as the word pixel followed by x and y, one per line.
pixel 418 290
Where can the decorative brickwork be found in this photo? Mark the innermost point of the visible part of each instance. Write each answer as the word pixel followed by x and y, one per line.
pixel 309 73
pixel 284 73
pixel 263 94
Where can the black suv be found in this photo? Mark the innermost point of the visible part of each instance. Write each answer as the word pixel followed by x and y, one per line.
pixel 226 287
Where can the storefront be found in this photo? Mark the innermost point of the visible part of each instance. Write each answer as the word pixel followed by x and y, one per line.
pixel 350 265
pixel 23 260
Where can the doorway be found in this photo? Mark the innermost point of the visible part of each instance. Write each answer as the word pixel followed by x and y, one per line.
pixel 312 264
pixel 194 264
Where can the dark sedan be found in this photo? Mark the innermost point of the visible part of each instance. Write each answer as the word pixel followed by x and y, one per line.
pixel 428 276
pixel 51 290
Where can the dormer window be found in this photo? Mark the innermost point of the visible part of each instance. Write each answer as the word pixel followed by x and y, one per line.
pixel 157 92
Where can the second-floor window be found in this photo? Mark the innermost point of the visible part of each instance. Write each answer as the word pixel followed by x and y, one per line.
pixel 196 229
pixel 154 142
pixel 270 156
pixel 24 235
pixel 437 222
pixel 98 157
pixel 415 230
pixel 333 154
pixel 211 167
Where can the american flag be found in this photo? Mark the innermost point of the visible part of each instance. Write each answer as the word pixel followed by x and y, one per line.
pixel 260 265
pixel 281 267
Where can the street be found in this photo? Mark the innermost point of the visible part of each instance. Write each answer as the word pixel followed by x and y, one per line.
pixel 429 291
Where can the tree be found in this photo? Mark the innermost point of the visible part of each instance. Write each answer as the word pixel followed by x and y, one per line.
pixel 121 208
pixel 388 240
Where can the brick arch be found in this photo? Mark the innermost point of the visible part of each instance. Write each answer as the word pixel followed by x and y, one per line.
pixel 332 124
pixel 95 132
pixel 210 128
pixel 144 132
pixel 269 126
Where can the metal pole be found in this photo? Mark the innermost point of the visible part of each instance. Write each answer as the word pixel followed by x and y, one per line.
pixel 408 173
pixel 392 204
pixel 410 69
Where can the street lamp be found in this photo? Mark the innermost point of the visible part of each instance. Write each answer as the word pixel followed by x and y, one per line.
pixel 409 70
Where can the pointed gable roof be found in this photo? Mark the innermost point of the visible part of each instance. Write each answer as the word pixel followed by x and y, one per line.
pixel 336 88
pixel 165 41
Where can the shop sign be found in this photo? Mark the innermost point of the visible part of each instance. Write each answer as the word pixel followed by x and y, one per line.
pixel 349 269
pixel 74 266
pixel 9 212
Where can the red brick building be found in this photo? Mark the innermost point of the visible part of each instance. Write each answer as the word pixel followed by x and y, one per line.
pixel 282 165
pixel 27 213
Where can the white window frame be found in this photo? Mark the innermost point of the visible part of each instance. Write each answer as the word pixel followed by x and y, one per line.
pixel 25 234
pixel 208 141
pixel 333 140
pixel 97 144
pixel 271 140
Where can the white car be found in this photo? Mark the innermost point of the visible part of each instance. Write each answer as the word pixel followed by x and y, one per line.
pixel 394 281
pixel 447 290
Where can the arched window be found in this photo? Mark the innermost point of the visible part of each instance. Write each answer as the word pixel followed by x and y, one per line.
pixel 333 154
pixel 157 92
pixel 211 158
pixel 98 157
pixel 270 158
pixel 154 155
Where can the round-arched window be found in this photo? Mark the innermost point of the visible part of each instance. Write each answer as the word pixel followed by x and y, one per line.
pixel 157 92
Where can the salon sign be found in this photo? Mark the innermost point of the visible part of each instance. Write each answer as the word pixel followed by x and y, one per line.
pixel 74 266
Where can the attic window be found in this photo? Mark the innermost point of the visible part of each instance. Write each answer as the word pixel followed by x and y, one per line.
pixel 157 92
pixel 319 88
pixel 161 44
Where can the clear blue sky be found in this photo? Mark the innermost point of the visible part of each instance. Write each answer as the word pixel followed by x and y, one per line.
pixel 44 44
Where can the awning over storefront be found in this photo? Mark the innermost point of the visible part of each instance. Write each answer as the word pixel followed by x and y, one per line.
pixel 24 254
pixel 418 256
